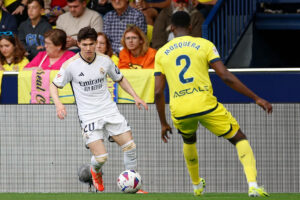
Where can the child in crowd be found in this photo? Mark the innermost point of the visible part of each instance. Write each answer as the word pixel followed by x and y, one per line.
pixel 31 31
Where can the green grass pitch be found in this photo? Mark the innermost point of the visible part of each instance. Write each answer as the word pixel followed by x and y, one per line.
pixel 150 196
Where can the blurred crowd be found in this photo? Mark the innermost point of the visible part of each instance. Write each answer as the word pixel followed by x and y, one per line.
pixel 42 34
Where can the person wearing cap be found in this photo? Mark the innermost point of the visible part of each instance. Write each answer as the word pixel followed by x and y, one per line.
pixel 162 26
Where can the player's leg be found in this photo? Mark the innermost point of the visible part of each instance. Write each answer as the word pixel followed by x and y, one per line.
pixel 187 128
pixel 247 159
pixel 126 142
pixel 121 134
pixel 223 124
pixel 94 141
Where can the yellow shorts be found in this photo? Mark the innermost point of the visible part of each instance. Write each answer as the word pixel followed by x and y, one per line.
pixel 219 121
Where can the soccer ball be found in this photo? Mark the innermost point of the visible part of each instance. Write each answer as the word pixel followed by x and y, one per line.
pixel 129 181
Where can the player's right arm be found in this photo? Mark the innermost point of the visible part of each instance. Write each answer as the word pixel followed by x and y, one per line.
pixel 160 81
pixel 60 108
pixel 232 81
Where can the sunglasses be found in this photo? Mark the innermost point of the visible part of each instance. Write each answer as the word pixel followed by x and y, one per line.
pixel 9 33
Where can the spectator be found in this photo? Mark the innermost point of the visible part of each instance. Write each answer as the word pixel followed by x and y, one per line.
pixel 204 6
pixel 12 52
pixel 31 31
pixel 162 26
pixel 101 6
pixel 7 22
pixel 17 8
pixel 117 20
pixel 149 12
pixel 55 54
pixel 78 17
pixel 54 8
pixel 136 53
pixel 103 46
pixel 158 4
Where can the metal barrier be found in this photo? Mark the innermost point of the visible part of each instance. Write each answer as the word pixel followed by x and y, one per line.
pixel 227 22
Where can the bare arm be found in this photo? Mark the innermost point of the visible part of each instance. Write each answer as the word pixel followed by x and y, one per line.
pixel 60 108
pixel 127 87
pixel 160 82
pixel 232 81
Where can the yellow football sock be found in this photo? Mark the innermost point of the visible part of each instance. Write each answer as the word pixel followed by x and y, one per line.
pixel 191 159
pixel 247 159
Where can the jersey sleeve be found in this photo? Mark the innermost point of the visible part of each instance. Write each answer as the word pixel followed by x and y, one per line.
pixel 114 72
pixel 158 69
pixel 212 54
pixel 62 78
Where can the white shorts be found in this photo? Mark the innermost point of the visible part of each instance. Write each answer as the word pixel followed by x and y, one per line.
pixel 109 126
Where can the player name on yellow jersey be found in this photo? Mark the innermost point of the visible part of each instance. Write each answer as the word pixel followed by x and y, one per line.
pixel 182 44
pixel 190 91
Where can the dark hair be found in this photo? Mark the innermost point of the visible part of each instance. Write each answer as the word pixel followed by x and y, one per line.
pixel 41 2
pixel 87 33
pixel 109 50
pixel 58 37
pixel 19 51
pixel 181 19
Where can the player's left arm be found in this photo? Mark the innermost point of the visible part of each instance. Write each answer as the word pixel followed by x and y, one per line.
pixel 127 87
pixel 232 81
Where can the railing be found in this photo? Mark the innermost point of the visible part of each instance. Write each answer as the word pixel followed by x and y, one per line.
pixel 227 22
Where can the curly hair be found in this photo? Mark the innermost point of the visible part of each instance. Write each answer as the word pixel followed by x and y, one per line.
pixel 19 50
pixel 142 36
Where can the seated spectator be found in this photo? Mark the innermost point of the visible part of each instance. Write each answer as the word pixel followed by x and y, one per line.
pixel 79 16
pixel 149 12
pixel 158 4
pixel 7 21
pixel 31 32
pixel 117 20
pixel 103 46
pixel 55 54
pixel 136 53
pixel 204 6
pixel 54 8
pixel 162 26
pixel 17 8
pixel 101 6
pixel 12 52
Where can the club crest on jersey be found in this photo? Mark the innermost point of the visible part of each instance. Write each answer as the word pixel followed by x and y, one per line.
pixel 102 70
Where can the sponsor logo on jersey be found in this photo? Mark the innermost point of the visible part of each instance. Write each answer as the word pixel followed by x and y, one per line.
pixel 102 70
pixel 81 74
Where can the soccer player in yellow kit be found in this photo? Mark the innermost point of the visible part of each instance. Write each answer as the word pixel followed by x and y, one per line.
pixel 184 63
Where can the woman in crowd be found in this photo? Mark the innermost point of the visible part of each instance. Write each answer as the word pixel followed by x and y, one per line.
pixel 103 46
pixel 12 52
pixel 136 53
pixel 55 54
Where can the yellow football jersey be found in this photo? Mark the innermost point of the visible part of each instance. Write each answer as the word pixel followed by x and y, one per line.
pixel 185 62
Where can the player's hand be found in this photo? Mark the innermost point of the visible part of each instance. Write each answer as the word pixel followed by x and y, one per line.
pixel 264 105
pixel 165 129
pixel 61 111
pixel 139 102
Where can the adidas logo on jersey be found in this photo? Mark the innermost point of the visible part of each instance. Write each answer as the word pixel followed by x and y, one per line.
pixel 81 74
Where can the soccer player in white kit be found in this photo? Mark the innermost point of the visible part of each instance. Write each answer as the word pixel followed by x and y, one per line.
pixel 98 113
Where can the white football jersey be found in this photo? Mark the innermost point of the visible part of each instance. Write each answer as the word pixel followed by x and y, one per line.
pixel 89 84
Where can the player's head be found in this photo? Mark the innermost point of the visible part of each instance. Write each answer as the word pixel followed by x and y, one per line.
pixel 180 23
pixel 87 38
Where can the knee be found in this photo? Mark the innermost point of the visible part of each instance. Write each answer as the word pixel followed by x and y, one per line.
pixel 100 159
pixel 238 137
pixel 189 138
pixel 128 146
